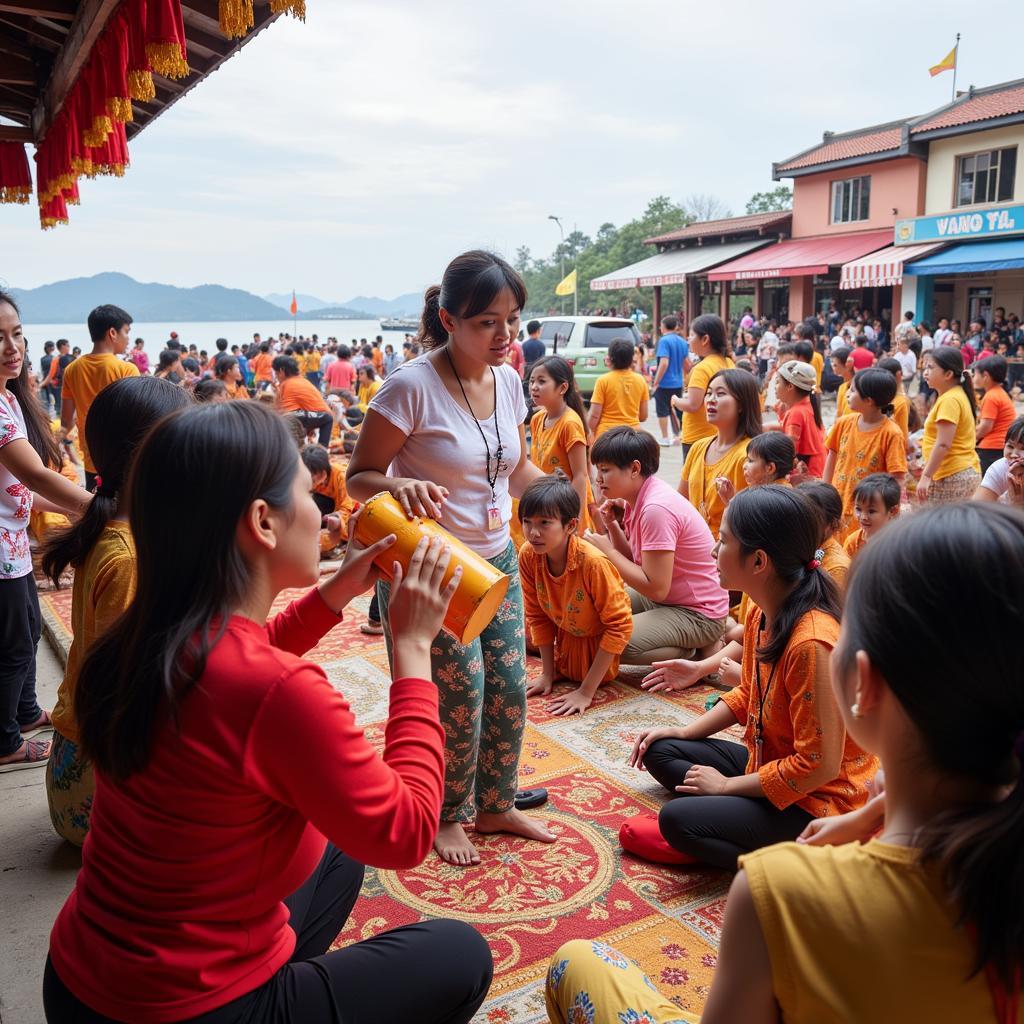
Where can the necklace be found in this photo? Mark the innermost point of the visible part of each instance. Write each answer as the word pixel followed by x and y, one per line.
pixel 499 461
pixel 762 696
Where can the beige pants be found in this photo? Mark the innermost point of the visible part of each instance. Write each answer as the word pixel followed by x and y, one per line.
pixel 663 631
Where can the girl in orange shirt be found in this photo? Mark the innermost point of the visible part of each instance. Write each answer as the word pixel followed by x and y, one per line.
pixel 231 377
pixel 828 503
pixel 796 762
pixel 576 606
pixel 733 407
pixel 797 391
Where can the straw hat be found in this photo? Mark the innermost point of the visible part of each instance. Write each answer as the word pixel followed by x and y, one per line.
pixel 800 375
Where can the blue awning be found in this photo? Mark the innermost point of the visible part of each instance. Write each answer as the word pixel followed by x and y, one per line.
pixel 972 258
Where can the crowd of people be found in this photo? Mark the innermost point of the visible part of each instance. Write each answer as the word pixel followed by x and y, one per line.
pixel 227 802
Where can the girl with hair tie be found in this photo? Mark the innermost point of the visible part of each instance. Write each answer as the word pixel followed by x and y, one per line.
pixel 709 341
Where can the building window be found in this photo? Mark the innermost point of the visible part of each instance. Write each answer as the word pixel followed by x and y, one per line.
pixel 986 177
pixel 851 199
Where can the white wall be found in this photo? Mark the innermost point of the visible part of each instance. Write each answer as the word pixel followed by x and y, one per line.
pixel 942 154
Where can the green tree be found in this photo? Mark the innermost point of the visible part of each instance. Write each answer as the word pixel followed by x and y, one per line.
pixel 523 259
pixel 779 198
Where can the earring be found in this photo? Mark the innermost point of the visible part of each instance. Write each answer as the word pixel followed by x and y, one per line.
pixel 855 710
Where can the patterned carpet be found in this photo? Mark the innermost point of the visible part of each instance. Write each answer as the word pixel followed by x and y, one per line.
pixel 527 899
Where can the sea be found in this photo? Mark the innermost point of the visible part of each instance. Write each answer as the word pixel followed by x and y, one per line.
pixel 203 335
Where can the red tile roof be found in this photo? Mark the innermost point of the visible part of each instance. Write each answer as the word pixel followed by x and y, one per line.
pixel 844 147
pixel 1000 101
pixel 727 226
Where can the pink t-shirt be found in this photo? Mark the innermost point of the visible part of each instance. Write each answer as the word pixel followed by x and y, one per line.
pixel 663 520
pixel 341 374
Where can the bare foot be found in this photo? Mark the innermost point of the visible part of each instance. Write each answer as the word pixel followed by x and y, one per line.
pixel 515 822
pixel 453 845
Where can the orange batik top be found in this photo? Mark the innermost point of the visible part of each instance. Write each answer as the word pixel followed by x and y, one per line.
pixel 582 611
pixel 550 447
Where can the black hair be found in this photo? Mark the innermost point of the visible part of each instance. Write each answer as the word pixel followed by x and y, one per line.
pixel 224 364
pixel 807 333
pixel 469 285
pixel 877 385
pixel 264 346
pixel 742 385
pixel 533 327
pixel 561 373
pixel 827 503
pixel 670 323
pixel 209 389
pixel 787 348
pixel 622 446
pixel 1015 431
pixel 60 341
pixel 316 459
pixel 190 364
pixel 803 350
pixel 135 674
pixel 286 365
pixel 842 354
pixel 371 373
pixel 777 521
pixel 48 346
pixel 105 318
pixel 37 424
pixel 948 359
pixel 620 353
pixel 890 365
pixel 711 326
pixel 971 844
pixel 552 496
pixel 882 484
pixel 995 366
pixel 860 339
pixel 119 419
pixel 776 448
pixel 344 352
pixel 222 344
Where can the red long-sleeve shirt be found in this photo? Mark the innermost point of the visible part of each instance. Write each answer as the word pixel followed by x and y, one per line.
pixel 177 909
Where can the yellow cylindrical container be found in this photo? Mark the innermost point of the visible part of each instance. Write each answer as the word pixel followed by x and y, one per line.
pixel 483 587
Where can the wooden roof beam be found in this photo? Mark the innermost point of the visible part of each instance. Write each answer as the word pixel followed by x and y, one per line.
pixel 14 133
pixel 18 71
pixel 63 10
pixel 12 41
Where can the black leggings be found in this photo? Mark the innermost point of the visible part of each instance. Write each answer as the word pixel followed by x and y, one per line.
pixel 434 971
pixel 716 829
pixel 19 636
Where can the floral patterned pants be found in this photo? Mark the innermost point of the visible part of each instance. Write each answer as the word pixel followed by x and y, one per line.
pixel 70 786
pixel 593 983
pixel 482 688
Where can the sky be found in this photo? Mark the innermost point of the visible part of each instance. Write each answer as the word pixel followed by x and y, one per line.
pixel 357 153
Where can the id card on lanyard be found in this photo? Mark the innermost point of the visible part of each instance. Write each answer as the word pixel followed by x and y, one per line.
pixel 493 518
pixel 762 697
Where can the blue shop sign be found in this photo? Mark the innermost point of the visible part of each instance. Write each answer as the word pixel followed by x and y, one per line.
pixel 994 222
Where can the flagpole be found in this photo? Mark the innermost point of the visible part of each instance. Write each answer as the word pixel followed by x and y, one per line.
pixel 956 60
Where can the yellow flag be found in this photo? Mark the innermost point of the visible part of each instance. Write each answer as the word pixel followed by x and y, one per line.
pixel 567 286
pixel 946 64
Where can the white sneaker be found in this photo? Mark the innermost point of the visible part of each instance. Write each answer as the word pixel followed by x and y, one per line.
pixel 664 442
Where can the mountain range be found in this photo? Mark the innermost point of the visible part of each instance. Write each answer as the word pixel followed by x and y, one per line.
pixel 70 301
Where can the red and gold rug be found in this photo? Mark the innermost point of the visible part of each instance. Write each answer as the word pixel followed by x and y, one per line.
pixel 529 898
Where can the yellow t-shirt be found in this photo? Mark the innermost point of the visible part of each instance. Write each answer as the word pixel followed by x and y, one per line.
pixel 366 392
pixel 818 362
pixel 695 424
pixel 842 409
pixel 863 933
pixel 701 475
pixel 312 361
pixel 952 407
pixel 84 378
pixel 619 393
pixel 104 587
pixel 901 415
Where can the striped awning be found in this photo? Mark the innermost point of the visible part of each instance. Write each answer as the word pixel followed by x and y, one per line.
pixel 880 269
pixel 673 266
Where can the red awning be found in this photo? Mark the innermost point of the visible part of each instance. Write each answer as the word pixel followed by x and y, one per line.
pixel 800 257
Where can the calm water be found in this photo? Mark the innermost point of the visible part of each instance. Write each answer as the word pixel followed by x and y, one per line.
pixel 203 335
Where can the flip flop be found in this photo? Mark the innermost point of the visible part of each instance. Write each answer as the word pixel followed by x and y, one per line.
pixel 35 755
pixel 372 629
pixel 43 724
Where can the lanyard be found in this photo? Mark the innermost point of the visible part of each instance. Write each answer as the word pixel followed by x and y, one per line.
pixel 762 696
pixel 500 452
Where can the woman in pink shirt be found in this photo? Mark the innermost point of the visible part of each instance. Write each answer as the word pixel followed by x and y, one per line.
pixel 661 547
pixel 231 774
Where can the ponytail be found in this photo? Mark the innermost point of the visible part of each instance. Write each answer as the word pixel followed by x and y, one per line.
pixel 968 385
pixel 787 528
pixel 711 326
pixel 432 333
pixel 951 360
pixel 561 373
pixel 816 408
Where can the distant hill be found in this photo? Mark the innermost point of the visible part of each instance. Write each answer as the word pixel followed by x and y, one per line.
pixel 65 302
pixel 304 302
pixel 410 304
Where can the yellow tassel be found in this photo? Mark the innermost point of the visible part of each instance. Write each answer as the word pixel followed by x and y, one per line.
pixel 236 18
pixel 166 59
pixel 81 165
pixel 19 194
pixel 140 86
pixel 296 8
pixel 97 134
pixel 120 109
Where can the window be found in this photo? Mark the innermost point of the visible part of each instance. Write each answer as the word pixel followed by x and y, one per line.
pixel 851 199
pixel 985 177
pixel 555 333
pixel 602 335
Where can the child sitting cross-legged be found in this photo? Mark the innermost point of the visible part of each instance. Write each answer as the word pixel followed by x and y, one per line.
pixel 876 501
pixel 576 606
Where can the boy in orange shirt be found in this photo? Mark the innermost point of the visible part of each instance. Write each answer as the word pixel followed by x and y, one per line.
pixel 876 502
pixel 996 411
pixel 330 494
pixel 620 395
pixel 86 376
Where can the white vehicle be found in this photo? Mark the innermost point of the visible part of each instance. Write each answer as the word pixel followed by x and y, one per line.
pixel 582 341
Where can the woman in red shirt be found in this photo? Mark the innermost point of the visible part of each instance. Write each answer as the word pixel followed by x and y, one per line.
pixel 231 774
pixel 797 390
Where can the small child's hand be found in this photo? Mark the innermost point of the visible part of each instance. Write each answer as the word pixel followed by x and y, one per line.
pixel 726 489
pixel 574 703
pixel 540 687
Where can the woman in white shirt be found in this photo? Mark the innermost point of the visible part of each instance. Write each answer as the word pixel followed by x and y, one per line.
pixel 444 435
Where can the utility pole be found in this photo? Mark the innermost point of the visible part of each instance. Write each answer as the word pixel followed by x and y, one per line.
pixel 561 255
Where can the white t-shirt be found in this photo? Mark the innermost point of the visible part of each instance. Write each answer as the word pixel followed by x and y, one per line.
pixel 942 335
pixel 15 498
pixel 927 343
pixel 837 343
pixel 444 445
pixel 768 345
pixel 997 479
pixel 908 363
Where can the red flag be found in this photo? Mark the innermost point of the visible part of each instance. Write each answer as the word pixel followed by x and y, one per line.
pixel 294 307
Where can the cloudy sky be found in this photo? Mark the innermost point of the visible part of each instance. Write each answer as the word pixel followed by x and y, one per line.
pixel 357 153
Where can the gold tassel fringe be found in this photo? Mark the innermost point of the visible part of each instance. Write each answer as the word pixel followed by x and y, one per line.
pixel 120 109
pixel 19 194
pixel 140 85
pixel 97 135
pixel 166 59
pixel 236 18
pixel 296 8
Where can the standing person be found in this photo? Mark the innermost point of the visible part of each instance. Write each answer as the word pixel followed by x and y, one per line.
pixel 138 356
pixel 391 359
pixel 341 374
pixel 861 357
pixel 515 358
pixel 243 365
pixel 840 359
pixel 801 416
pixel 101 549
pixel 997 409
pixel 734 411
pixel 952 470
pixel 296 395
pixel 313 374
pixel 27 449
pixel 671 354
pixel 533 347
pixel 223 905
pixel 377 356
pixel 47 374
pixel 620 397
pixel 262 366
pixel 445 436
pixel 708 341
pixel 89 374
